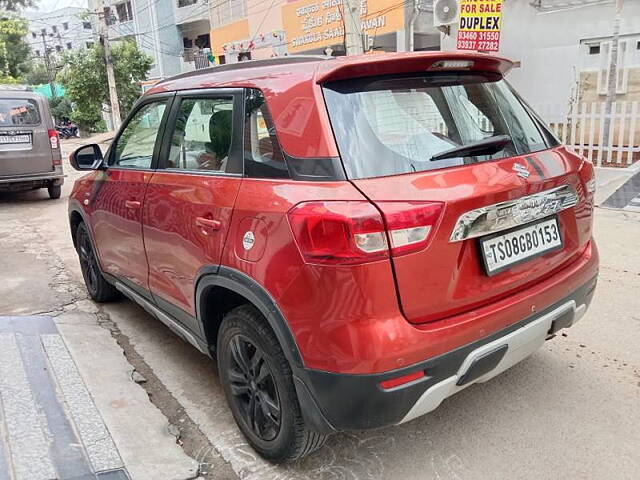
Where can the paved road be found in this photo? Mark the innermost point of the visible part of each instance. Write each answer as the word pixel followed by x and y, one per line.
pixel 572 410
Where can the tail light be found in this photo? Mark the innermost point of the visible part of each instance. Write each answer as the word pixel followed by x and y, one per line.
pixel 409 224
pixel 354 232
pixel 54 140
pixel 339 232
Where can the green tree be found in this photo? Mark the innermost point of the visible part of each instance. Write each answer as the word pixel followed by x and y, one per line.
pixel 14 50
pixel 37 74
pixel 84 77
pixel 61 108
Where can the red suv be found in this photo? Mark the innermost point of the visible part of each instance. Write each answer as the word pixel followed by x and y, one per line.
pixel 354 239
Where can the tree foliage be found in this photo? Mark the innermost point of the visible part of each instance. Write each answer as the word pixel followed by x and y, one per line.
pixel 14 50
pixel 37 74
pixel 84 77
pixel 15 5
pixel 61 108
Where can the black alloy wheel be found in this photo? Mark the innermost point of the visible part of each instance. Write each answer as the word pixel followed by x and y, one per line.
pixel 99 289
pixel 258 383
pixel 254 388
pixel 88 263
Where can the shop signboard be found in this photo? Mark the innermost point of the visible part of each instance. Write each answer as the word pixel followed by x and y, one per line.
pixel 312 24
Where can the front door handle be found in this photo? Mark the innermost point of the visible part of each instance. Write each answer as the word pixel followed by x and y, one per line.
pixel 133 204
pixel 208 223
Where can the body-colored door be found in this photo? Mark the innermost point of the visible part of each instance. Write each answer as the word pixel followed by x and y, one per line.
pixel 119 193
pixel 190 201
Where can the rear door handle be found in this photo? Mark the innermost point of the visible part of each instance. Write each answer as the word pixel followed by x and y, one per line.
pixel 133 204
pixel 208 223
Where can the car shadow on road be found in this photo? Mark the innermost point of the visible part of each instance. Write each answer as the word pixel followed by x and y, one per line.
pixel 30 196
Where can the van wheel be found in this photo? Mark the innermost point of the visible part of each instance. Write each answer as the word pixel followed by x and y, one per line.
pixel 258 384
pixel 99 289
pixel 54 191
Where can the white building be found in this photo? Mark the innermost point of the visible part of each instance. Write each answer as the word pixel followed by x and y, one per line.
pixel 59 30
pixel 563 49
pixel 172 32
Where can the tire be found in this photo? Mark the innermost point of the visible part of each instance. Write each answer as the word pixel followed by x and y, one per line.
pixel 99 289
pixel 54 191
pixel 278 431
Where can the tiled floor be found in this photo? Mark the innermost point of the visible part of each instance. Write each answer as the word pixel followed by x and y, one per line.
pixel 49 425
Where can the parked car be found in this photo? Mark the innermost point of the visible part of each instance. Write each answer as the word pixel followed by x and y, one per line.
pixel 353 239
pixel 29 144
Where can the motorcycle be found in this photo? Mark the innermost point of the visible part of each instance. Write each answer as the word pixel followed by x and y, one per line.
pixel 67 130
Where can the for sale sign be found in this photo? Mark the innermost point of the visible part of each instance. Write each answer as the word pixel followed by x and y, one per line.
pixel 480 22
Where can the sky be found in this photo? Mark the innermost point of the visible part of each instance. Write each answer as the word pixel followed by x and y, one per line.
pixel 48 5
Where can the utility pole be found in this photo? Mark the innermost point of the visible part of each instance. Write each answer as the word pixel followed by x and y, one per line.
pixel 47 65
pixel 352 27
pixel 103 31
pixel 612 78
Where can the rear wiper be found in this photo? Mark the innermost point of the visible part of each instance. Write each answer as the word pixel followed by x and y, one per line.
pixel 487 146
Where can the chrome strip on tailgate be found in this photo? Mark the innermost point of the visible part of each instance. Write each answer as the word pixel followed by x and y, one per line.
pixel 504 215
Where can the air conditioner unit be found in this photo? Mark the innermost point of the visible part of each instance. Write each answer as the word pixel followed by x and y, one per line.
pixel 445 12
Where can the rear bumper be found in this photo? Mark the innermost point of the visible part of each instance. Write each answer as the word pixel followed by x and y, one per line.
pixel 23 182
pixel 333 401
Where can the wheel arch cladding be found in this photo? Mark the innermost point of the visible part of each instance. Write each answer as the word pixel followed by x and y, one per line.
pixel 221 289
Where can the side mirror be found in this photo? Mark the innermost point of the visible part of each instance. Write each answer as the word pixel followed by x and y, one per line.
pixel 88 157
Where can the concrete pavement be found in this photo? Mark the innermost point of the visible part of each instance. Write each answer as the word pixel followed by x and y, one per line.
pixel 569 411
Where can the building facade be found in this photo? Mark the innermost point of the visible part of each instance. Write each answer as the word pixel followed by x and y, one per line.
pixel 254 29
pixel 59 30
pixel 151 25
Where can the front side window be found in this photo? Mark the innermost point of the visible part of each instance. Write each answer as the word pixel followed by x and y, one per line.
pixel 17 112
pixel 390 126
pixel 135 146
pixel 263 157
pixel 202 136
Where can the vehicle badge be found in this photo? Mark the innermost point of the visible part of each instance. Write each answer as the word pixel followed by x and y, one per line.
pixel 521 170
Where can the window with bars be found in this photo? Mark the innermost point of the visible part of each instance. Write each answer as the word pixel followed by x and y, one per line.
pixel 124 12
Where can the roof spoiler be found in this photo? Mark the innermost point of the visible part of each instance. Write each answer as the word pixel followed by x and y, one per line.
pixel 398 63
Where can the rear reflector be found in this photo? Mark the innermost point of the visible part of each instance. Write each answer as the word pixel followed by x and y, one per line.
pixel 54 141
pixel 339 232
pixel 396 382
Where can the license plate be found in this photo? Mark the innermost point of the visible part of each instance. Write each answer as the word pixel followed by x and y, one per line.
pixel 15 139
pixel 504 250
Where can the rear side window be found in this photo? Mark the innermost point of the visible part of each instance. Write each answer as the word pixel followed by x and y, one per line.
pixel 394 125
pixel 263 156
pixel 17 112
pixel 203 135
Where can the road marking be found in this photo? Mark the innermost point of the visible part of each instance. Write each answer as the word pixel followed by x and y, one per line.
pixel 28 437
pixel 95 437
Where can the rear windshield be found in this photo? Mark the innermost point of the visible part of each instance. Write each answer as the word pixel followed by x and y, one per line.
pixel 17 112
pixel 394 125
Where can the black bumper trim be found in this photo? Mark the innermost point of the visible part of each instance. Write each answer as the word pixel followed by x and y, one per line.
pixel 336 402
